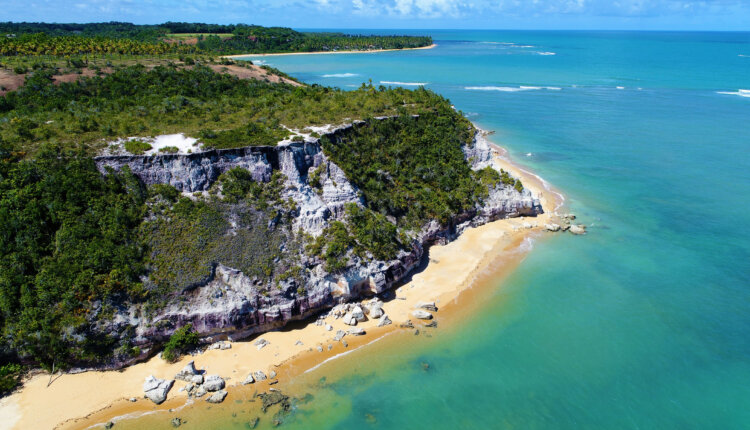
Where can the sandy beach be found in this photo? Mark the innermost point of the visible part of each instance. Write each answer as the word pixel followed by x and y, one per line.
pixel 85 399
pixel 374 51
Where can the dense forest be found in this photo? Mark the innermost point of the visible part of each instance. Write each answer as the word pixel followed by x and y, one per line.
pixel 20 39
pixel 76 244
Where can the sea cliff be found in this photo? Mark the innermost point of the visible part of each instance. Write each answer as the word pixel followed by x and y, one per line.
pixel 228 302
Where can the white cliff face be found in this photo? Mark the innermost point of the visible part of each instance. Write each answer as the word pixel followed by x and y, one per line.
pixel 231 303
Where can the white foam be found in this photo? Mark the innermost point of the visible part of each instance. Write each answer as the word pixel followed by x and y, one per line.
pixel 346 353
pixel 512 89
pixel 741 93
pixel 414 84
pixel 341 75
pixel 743 55
pixel 620 88
pixel 546 53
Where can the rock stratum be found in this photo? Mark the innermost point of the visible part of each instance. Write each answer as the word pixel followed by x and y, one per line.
pixel 232 304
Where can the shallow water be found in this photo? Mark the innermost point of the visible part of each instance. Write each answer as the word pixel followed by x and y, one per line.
pixel 644 322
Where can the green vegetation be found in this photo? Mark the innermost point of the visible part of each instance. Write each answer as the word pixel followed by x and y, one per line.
pixel 10 377
pixel 68 243
pixel 137 147
pixel 182 340
pixel 62 46
pixel 125 38
pixel 224 111
pixel 411 168
pixel 367 233
pixel 187 238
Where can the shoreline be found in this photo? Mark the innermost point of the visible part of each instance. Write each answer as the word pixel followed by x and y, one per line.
pixel 371 51
pixel 452 273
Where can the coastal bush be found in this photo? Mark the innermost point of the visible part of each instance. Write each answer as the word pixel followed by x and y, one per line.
pixel 68 239
pixel 136 147
pixel 10 377
pixel 182 340
pixel 169 149
pixel 411 168
pixel 165 99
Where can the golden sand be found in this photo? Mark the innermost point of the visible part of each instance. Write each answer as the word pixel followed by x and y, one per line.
pixel 82 400
pixel 373 51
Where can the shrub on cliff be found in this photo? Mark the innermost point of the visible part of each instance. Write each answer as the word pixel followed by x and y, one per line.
pixel 181 341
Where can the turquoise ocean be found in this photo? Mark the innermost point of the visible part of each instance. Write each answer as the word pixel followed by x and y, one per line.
pixel 644 323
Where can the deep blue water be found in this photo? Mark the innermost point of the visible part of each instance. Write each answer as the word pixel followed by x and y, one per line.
pixel 643 323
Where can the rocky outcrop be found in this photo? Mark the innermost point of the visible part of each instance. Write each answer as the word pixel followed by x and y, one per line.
pixel 156 389
pixel 231 303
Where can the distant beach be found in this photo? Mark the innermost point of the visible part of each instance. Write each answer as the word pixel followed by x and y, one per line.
pixel 371 51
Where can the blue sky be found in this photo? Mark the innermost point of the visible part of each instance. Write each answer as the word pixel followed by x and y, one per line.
pixel 433 14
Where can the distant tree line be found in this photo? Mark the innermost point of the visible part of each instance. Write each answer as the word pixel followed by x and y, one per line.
pixel 125 38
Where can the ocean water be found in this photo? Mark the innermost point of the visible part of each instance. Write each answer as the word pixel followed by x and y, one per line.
pixel 643 323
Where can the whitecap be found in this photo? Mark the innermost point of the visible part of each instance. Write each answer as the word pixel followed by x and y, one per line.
pixel 414 84
pixel 743 55
pixel 546 53
pixel 620 88
pixel 341 75
pixel 512 89
pixel 741 93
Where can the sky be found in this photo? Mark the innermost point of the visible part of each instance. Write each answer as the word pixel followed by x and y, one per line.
pixel 730 15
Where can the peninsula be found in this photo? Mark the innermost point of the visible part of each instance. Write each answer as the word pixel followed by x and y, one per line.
pixel 162 201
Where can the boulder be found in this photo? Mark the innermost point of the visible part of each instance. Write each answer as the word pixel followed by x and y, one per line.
pixel 384 321
pixel 421 314
pixel 329 327
pixel 376 312
pixel 213 383
pixel 358 314
pixel 552 227
pixel 428 306
pixel 176 422
pixel 248 380
pixel 200 392
pixel 358 331
pixel 339 335
pixel 197 379
pixel 260 376
pixel 272 374
pixel 187 373
pixel 578 229
pixel 261 343
pixel 223 344
pixel 374 308
pixel 217 397
pixel 156 389
pixel 349 319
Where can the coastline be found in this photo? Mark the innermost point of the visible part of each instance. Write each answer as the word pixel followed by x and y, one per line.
pixel 452 272
pixel 373 51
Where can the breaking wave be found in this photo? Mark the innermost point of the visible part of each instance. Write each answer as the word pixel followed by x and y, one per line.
pixel 512 89
pixel 741 93
pixel 415 84
pixel 341 75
